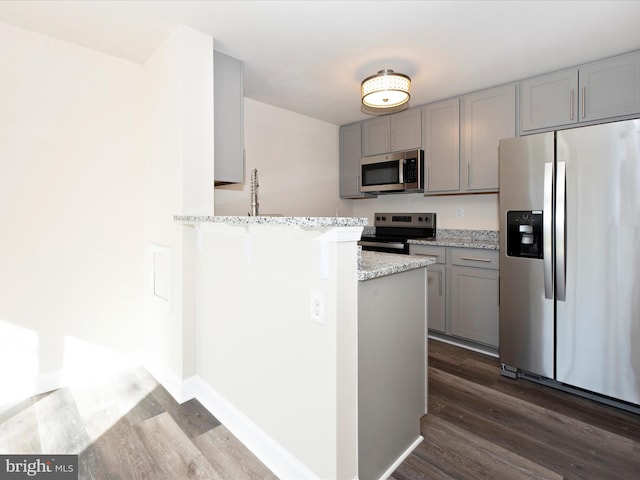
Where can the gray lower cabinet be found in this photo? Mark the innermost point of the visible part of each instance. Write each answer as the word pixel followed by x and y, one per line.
pixel 474 296
pixel 463 288
pixel 392 368
pixel 350 153
pixel 592 92
pixel 436 285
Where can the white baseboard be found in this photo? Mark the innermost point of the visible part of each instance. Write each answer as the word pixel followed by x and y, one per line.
pixel 165 377
pixel 275 457
pixel 402 458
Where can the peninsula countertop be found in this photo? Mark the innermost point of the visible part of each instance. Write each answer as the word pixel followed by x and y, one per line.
pixel 304 222
pixel 380 264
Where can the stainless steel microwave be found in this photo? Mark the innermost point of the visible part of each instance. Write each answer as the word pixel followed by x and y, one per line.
pixel 393 172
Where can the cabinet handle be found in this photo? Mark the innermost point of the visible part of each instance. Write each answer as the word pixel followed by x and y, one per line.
pixel 475 259
pixel 468 175
pixel 584 101
pixel 571 94
pixel 435 257
pixel 440 283
pixel 427 180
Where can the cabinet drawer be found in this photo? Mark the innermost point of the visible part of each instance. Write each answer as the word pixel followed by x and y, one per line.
pixel 475 257
pixel 425 250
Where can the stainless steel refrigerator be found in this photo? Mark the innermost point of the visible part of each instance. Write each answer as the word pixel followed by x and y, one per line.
pixel 570 258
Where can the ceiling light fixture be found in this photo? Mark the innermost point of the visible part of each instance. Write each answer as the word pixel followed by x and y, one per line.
pixel 385 90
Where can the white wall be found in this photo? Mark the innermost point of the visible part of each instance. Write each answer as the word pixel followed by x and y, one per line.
pixel 480 211
pixel 298 172
pixel 179 180
pixel 297 161
pixel 71 267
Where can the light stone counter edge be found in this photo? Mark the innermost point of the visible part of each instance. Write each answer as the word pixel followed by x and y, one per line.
pixel 304 222
pixel 380 264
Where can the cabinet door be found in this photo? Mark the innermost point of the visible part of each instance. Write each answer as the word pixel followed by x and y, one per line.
pixel 610 88
pixel 436 295
pixel 376 136
pixel 441 123
pixel 406 130
pixel 474 304
pixel 350 149
pixel 549 100
pixel 487 117
pixel 229 120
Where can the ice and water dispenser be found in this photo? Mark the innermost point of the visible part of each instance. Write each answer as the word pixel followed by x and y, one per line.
pixel 524 233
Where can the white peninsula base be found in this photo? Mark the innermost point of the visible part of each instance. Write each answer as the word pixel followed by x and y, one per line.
pixel 298 355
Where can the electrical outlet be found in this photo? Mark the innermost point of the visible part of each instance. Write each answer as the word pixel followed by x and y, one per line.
pixel 459 212
pixel 317 307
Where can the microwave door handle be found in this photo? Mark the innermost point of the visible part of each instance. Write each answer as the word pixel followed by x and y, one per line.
pixel 401 170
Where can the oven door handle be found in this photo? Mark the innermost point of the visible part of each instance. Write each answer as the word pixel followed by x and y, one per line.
pixel 394 245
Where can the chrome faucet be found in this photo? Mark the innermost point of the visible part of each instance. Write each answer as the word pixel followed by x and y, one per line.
pixel 254 192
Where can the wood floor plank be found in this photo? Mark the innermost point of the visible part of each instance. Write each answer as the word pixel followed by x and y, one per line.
pixel 19 429
pixel 174 456
pixel 229 457
pixel 556 430
pixel 490 458
pixel 191 416
pixel 123 454
pixel 504 424
pixel 60 425
pixel 416 468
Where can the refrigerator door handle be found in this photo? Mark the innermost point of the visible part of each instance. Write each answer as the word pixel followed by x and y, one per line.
pixel 561 291
pixel 547 223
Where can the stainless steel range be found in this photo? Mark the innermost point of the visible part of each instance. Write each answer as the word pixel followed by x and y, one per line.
pixel 394 229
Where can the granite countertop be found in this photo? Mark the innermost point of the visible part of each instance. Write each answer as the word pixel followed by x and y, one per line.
pixel 379 264
pixel 307 222
pixel 487 239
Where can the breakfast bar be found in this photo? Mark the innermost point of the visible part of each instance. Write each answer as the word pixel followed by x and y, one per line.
pixel 324 339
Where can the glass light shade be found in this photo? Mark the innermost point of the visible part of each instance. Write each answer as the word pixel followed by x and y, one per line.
pixel 387 89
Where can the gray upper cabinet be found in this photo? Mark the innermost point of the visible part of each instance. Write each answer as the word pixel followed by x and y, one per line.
pixel 228 120
pixel 487 117
pixel 376 136
pixel 549 100
pixel 441 123
pixel 595 91
pixel 392 133
pixel 610 88
pixel 350 153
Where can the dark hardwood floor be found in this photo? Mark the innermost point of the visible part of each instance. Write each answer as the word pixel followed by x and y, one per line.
pixel 480 426
pixel 484 426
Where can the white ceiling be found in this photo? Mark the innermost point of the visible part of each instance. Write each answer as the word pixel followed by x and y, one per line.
pixel 310 56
